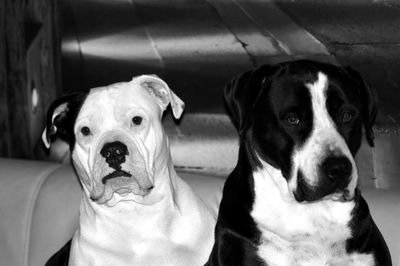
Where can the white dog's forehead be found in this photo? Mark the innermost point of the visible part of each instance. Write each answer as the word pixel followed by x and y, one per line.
pixel 118 100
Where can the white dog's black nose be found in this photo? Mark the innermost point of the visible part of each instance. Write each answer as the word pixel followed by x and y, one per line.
pixel 114 153
pixel 337 168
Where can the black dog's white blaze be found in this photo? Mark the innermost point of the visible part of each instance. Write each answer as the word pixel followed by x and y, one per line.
pixel 312 233
pixel 324 141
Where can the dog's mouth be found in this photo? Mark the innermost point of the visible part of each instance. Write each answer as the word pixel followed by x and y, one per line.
pixel 116 179
pixel 335 191
pixel 342 195
pixel 307 194
pixel 126 184
pixel 115 174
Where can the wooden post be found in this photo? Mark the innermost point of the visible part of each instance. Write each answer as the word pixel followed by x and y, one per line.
pixel 17 95
pixel 29 59
pixel 4 123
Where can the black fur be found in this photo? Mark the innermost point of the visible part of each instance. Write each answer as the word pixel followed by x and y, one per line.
pixel 368 97
pixel 236 234
pixel 63 124
pixel 61 258
pixel 366 236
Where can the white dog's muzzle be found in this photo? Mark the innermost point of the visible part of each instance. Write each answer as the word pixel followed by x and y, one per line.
pixel 121 164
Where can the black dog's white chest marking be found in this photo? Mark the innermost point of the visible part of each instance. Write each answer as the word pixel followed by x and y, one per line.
pixel 300 234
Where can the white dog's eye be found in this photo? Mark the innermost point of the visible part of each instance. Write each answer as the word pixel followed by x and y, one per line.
pixel 137 120
pixel 85 131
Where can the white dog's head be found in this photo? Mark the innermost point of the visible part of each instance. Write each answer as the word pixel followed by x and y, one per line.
pixel 116 137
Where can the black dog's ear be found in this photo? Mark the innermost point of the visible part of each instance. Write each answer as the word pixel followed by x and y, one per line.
pixel 61 117
pixel 369 101
pixel 242 92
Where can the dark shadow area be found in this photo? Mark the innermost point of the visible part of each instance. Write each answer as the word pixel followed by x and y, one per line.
pixel 364 35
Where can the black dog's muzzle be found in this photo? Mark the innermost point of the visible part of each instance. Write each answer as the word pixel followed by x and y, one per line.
pixel 334 176
pixel 336 169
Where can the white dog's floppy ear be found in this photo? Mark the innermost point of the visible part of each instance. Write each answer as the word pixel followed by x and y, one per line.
pixel 162 93
pixel 61 117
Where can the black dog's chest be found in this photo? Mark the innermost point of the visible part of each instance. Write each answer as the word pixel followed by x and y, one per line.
pixel 301 234
pixel 313 253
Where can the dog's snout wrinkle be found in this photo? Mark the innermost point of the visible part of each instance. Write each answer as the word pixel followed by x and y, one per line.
pixel 114 153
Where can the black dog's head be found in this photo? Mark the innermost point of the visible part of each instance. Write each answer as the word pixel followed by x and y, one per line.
pixel 304 118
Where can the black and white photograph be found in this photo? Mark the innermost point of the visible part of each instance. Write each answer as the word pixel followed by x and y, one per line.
pixel 199 133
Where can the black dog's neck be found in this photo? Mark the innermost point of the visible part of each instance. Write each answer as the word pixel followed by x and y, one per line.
pixel 248 152
pixel 238 197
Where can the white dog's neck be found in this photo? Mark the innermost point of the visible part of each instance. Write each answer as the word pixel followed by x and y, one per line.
pixel 119 228
pixel 122 211
pixel 175 230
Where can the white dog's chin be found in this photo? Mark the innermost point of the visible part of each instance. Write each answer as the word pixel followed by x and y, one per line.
pixel 115 185
pixel 129 198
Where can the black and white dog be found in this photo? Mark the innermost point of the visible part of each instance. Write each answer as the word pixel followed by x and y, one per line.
pixel 292 198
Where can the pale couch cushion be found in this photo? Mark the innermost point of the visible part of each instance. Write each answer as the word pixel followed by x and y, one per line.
pixel 56 214
pixel 20 183
pixel 39 205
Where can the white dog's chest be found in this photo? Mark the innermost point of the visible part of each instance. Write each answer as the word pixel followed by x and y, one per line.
pixel 148 253
pixel 169 254
pixel 160 235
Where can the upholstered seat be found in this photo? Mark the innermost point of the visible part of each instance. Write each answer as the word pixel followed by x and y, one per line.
pixel 39 205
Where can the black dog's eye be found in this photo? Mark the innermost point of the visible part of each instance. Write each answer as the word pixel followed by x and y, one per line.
pixel 137 120
pixel 347 117
pixel 293 119
pixel 85 131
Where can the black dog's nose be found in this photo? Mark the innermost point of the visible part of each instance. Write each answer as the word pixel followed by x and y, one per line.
pixel 336 168
pixel 114 153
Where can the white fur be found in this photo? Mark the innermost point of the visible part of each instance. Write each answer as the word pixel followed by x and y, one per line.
pixel 168 226
pixel 292 233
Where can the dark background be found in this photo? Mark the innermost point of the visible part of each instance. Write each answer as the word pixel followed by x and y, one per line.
pixel 56 47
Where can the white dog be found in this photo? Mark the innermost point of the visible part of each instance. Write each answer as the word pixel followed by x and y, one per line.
pixel 135 209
